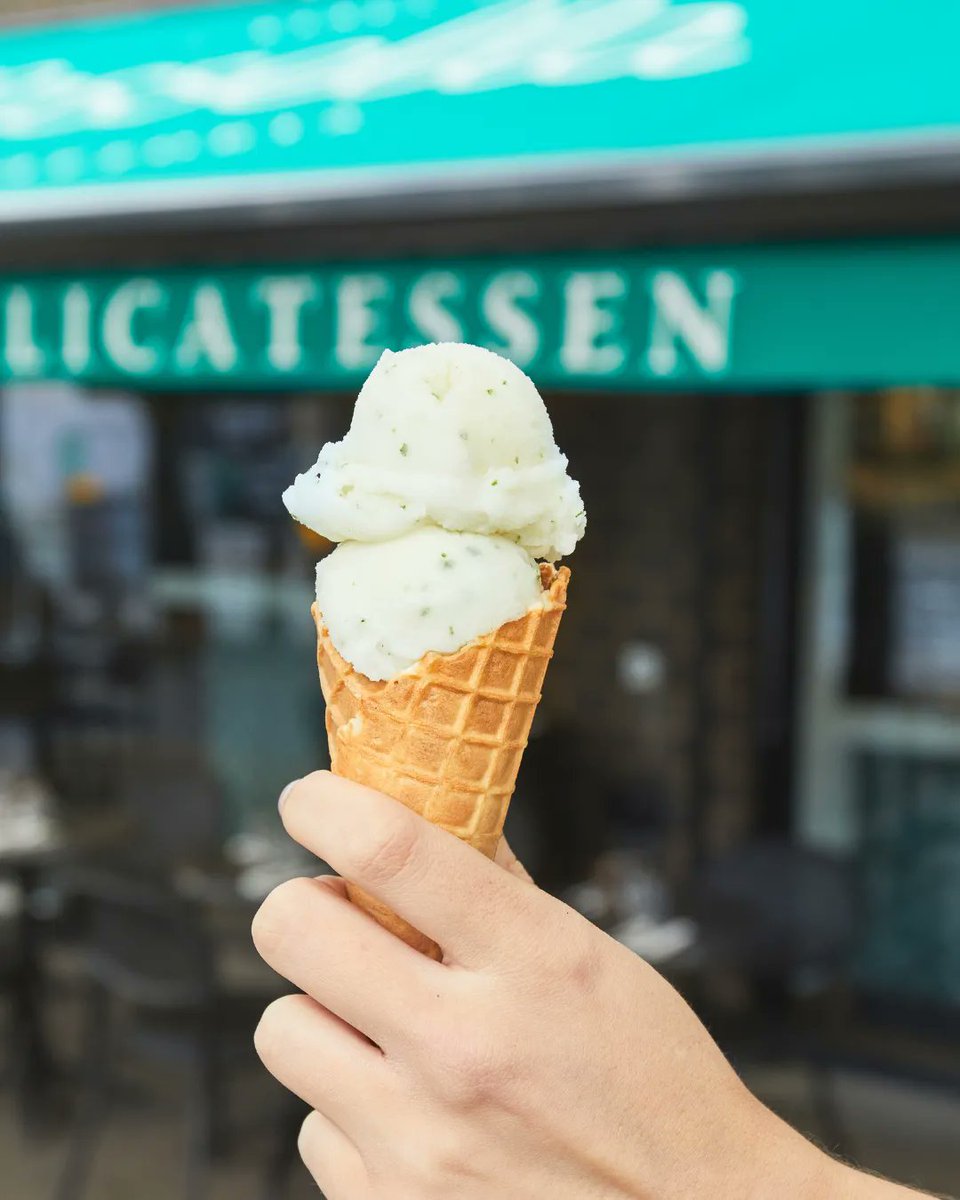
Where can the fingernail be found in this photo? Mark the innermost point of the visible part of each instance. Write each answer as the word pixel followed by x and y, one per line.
pixel 285 793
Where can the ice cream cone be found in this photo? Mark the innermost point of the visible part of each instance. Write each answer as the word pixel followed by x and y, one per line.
pixel 446 736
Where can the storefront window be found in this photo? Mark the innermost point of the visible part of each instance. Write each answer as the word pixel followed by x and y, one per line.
pixel 883 697
pixel 904 483
pixel 158 594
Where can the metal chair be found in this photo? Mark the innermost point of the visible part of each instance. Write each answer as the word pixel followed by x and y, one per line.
pixel 779 917
pixel 772 908
pixel 151 992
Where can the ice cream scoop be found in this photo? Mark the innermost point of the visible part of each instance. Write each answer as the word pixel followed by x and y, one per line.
pixel 443 493
pixel 448 435
pixel 386 603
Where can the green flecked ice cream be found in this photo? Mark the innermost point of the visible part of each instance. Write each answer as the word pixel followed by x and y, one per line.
pixel 443 494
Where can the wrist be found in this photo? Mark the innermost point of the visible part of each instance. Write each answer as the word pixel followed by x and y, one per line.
pixel 852 1184
pixel 805 1172
pixel 788 1165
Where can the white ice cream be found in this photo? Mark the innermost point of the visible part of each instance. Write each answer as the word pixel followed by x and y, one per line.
pixel 446 489
pixel 446 435
pixel 386 603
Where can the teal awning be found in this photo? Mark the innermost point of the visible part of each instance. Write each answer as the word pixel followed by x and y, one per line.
pixel 354 99
pixel 755 317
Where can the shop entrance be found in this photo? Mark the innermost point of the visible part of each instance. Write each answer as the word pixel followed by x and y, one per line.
pixel 671 693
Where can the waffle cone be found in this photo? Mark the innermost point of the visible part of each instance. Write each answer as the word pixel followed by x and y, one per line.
pixel 446 736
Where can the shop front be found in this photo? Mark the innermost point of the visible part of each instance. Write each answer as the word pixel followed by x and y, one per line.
pixel 152 418
pixel 215 230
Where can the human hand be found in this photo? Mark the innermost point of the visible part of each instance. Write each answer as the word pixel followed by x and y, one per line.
pixel 540 1058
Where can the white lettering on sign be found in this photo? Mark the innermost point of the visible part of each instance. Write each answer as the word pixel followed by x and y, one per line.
pixel 75 347
pixel 285 297
pixel 517 329
pixel 426 306
pixel 678 317
pixel 24 357
pixel 206 332
pixel 126 353
pixel 357 319
pixel 587 318
pixel 622 319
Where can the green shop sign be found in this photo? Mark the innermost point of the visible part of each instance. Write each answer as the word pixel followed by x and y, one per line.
pixel 759 317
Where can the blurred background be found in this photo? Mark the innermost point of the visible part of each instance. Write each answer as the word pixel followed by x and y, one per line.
pixel 723 238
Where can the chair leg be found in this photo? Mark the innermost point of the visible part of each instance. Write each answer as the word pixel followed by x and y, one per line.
pixel 94 1101
pixel 203 1118
pixel 33 1067
pixel 212 1096
pixel 283 1154
pixel 198 1168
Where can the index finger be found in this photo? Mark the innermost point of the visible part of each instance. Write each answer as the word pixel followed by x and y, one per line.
pixel 468 905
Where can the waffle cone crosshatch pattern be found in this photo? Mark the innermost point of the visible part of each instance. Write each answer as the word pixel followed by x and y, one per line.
pixel 445 737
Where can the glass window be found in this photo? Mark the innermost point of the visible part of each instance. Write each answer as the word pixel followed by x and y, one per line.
pixel 881 707
pixel 157 593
